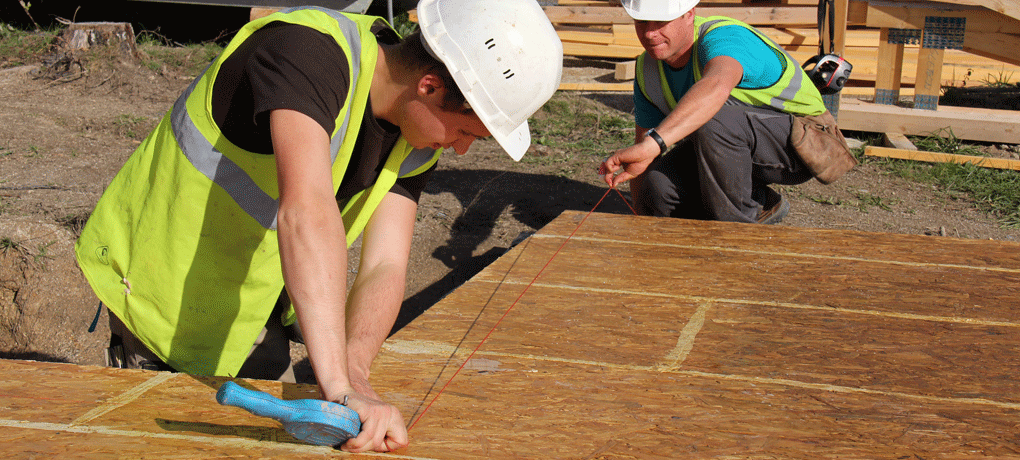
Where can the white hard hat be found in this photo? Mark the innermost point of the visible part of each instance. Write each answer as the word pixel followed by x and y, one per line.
pixel 658 10
pixel 504 55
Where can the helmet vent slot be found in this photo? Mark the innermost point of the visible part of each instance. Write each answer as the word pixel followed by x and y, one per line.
pixel 491 43
pixel 508 74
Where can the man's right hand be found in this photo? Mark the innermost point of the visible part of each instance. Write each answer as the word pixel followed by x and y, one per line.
pixel 382 426
pixel 634 160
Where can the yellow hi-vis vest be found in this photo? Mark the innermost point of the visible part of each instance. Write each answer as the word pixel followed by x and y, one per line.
pixel 793 93
pixel 183 247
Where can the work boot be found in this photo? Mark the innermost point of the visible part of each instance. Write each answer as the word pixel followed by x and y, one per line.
pixel 774 205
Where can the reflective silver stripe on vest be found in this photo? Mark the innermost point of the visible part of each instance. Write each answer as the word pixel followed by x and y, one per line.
pixel 791 89
pixel 416 159
pixel 350 31
pixel 222 170
pixel 653 83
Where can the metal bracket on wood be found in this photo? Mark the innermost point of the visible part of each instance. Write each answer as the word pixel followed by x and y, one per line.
pixel 943 33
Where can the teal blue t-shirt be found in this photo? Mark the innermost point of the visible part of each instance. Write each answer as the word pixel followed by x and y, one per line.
pixel 762 67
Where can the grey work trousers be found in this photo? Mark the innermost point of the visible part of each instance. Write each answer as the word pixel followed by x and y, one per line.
pixel 722 170
pixel 268 359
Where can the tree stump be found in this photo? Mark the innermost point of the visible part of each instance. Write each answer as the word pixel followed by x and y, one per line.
pixel 81 36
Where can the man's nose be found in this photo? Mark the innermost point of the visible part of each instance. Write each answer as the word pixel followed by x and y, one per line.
pixel 462 145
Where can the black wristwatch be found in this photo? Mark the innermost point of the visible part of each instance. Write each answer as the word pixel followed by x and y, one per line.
pixel 658 140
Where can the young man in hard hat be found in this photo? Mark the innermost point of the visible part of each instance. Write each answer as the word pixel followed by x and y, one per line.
pixel 729 99
pixel 236 192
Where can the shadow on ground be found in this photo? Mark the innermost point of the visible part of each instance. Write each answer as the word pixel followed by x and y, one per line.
pixel 485 195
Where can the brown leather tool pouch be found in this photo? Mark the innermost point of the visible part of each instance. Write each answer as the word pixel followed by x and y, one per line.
pixel 821 146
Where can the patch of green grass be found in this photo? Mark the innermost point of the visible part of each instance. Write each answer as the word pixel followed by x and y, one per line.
pixel 827 200
pixel 20 47
pixel 944 141
pixel 866 200
pixel 995 191
pixel 573 123
pixel 42 251
pixel 74 222
pixel 403 25
pixel 158 53
pixel 1000 80
pixel 132 126
pixel 7 243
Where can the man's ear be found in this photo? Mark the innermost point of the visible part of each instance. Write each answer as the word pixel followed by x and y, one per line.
pixel 429 84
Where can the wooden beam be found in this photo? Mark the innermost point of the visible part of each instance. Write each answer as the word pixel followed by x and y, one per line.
pixel 936 157
pixel 928 80
pixel 993 45
pixel 1002 126
pixel 594 50
pixel 257 13
pixel 1009 8
pixel 804 36
pixel 889 71
pixel 625 70
pixel 624 87
pixel 587 15
pixel 754 15
pixel 897 141
pixel 911 15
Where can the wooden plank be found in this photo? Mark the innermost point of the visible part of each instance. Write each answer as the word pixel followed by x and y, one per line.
pixel 928 79
pixel 936 157
pixel 591 37
pixel 625 70
pixel 781 35
pixel 56 410
pixel 897 141
pixel 642 338
pixel 608 51
pixel 1009 8
pixel 587 15
pixel 993 46
pixel 806 16
pixel 1000 126
pixel 684 280
pixel 911 15
pixel 619 87
pixel 557 330
pixel 258 13
pixel 890 70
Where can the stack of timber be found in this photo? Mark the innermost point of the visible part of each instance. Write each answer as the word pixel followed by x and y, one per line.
pixel 602 29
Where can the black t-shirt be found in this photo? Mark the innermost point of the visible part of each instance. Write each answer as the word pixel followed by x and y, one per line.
pixel 288 66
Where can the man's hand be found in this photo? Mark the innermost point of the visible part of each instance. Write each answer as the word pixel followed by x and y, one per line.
pixel 693 110
pixel 382 426
pixel 634 160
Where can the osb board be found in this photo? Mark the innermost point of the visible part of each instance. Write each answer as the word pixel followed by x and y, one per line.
pixel 55 410
pixel 641 338
pixel 659 338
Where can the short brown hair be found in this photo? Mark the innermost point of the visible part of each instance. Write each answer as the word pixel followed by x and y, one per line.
pixel 411 54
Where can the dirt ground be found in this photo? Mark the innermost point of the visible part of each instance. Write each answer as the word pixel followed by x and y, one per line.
pixel 62 142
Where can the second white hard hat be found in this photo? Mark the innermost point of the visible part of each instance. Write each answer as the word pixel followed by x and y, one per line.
pixel 504 55
pixel 657 10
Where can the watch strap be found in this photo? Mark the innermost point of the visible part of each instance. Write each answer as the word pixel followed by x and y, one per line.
pixel 658 140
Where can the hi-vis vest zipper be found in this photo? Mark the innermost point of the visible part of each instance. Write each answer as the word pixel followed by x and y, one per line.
pixel 183 247
pixel 793 93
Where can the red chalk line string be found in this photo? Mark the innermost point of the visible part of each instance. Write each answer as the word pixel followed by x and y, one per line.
pixel 441 390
